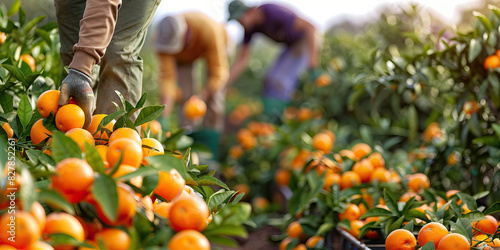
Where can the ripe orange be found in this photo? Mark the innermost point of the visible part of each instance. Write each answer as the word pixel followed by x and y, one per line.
pixel 126 169
pixel 59 222
pixel 300 247
pixel 282 177
pixel 380 175
pixel 189 240
pixel 246 138
pixel 154 127
pixel 151 147
pixel 323 80
pixel 453 158
pixel 39 245
pixel 38 132
pixel 364 169
pixel 487 225
pixel 242 188
pixel 48 102
pixel 102 150
pixel 294 230
pixel 189 213
pixel 361 150
pixel 38 212
pixel 330 179
pixel 8 130
pixel 304 114
pixel 312 241
pixel 113 239
pixel 90 228
pixel 70 116
pixel 347 153
pixel 28 59
pixel 101 135
pixel 486 240
pixel 355 226
pixel 432 131
pixel 491 62
pixel 351 213
pixel 418 181
pixel 376 160
pixel 284 243
pixel 163 209
pixel 80 136
pixel 194 108
pixel 127 205
pixel 407 196
pixel 7 247
pixel 24 227
pixel 130 152
pixel 433 231
pixel 260 204
pixel 235 152
pixel 170 184
pixel 454 241
pixel 400 239
pixel 73 179
pixel 3 37
pixel 125 133
pixel 349 179
pixel 323 142
pixel 470 107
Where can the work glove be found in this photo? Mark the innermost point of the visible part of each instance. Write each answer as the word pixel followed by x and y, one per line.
pixel 77 85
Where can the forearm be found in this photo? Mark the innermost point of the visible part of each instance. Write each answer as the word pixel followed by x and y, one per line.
pixel 313 48
pixel 96 31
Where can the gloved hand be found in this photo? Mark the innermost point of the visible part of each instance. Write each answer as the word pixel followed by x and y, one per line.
pixel 77 85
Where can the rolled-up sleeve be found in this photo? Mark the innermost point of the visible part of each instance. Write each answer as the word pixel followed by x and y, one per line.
pixel 217 62
pixel 96 30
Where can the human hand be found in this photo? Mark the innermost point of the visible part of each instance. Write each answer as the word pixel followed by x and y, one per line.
pixel 77 85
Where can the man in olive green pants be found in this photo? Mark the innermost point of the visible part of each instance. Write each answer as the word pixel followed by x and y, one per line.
pixel 109 32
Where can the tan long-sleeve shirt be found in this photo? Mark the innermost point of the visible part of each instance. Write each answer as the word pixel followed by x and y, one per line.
pixel 96 30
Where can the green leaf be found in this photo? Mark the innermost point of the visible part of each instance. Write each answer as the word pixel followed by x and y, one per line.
pixel 148 114
pixel 27 191
pixel 468 200
pixel 44 35
pixel 417 214
pixel 218 198
pixel 396 224
pixel 409 226
pixel 50 122
pixel 65 239
pixel 211 181
pixel 167 162
pixel 496 127
pixel 391 203
pixel 141 101
pixel 55 199
pixel 24 111
pixel 221 240
pixel 474 50
pixel 64 147
pixel 237 198
pixel 474 216
pixel 105 193
pixel 228 230
pixel 484 20
pixel 324 228
pixel 4 144
pixel 463 227
pixel 16 72
pixel 7 102
pixel 495 208
pixel 376 212
pixel 412 123
pixel 143 171
pixel 14 8
pixel 428 246
pixel 93 158
pixel 495 10
pixel 31 24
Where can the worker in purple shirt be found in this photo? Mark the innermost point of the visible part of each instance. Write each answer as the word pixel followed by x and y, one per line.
pixel 280 24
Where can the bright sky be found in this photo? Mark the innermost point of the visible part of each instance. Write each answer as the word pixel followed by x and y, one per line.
pixel 322 13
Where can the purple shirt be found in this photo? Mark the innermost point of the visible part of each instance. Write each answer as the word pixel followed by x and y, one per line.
pixel 278 25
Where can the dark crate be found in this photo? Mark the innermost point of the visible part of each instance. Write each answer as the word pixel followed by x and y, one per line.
pixel 339 239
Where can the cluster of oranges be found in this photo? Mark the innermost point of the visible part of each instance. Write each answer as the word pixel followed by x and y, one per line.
pixel 187 213
pixel 248 137
pixel 295 231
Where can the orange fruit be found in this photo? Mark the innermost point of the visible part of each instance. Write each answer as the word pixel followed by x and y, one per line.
pixel 189 213
pixel 127 205
pixel 453 158
pixel 351 213
pixel 189 240
pixel 80 136
pixel 349 179
pixel 38 132
pixel 130 152
pixel 284 243
pixel 260 204
pixel 364 169
pixel 432 131
pixel 470 107
pixel 39 245
pixel 488 225
pixel 347 153
pixel 102 150
pixel 90 227
pixel 113 239
pixel 330 179
pixel 73 179
pixel 313 241
pixel 323 80
pixel 28 59
pixel 38 212
pixel 48 102
pixel 491 62
pixel 170 184
pixel 380 175
pixel 154 127
pixel 400 239
pixel 322 142
pixel 151 147
pixel 100 136
pixel 70 116
pixel 23 226
pixel 125 133
pixel 450 193
pixel 3 37
pixel 485 239
pixel 407 196
pixel 194 108
pixel 163 208
pixel 7 247
pixel 235 152
pixel 294 229
pixel 59 222
pixel 361 150
pixel 246 138
pixel 376 160
pixel 242 188
pixel 300 247
pixel 8 130
pixel 454 241
pixel 355 226
pixel 282 177
pixel 304 114
pixel 126 169
pixel 418 181
pixel 433 231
